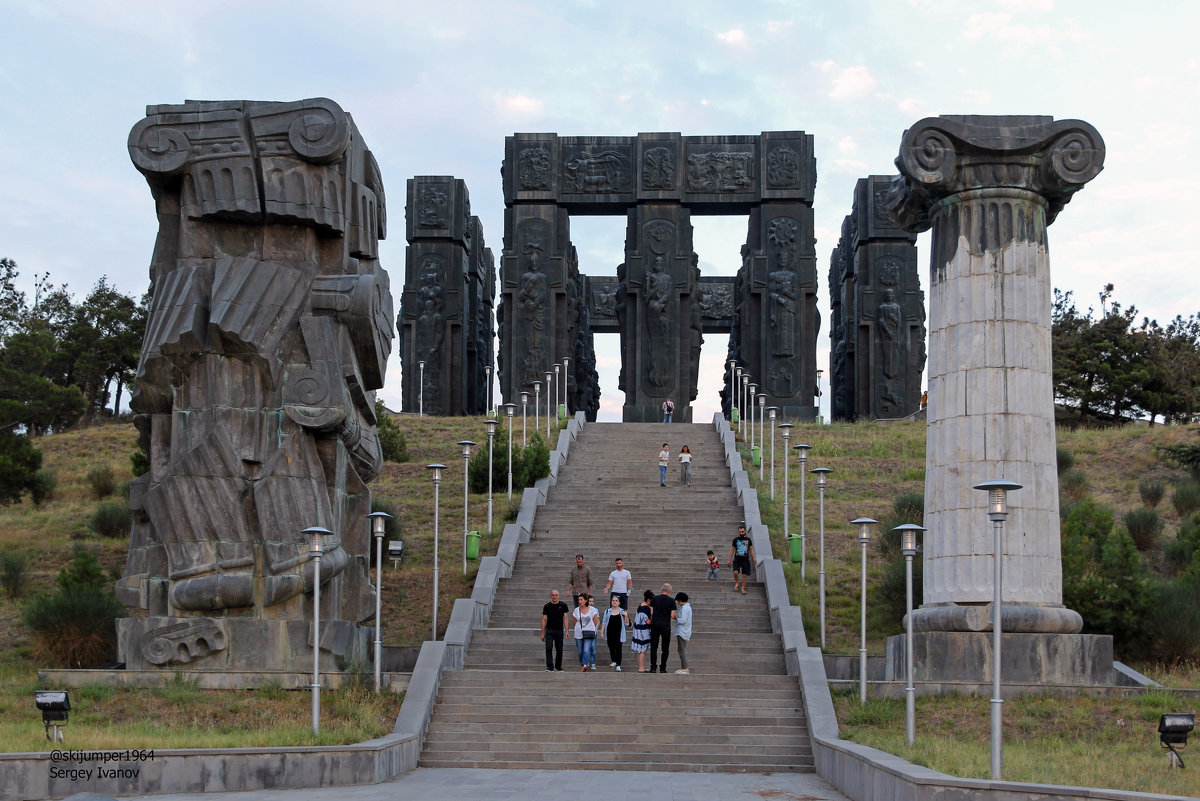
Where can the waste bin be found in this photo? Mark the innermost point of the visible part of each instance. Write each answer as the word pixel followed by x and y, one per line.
pixel 735 416
pixel 562 411
pixel 473 545
pixel 795 549
pixel 757 455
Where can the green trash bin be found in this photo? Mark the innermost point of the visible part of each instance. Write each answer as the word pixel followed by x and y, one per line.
pixel 795 549
pixel 562 411
pixel 736 416
pixel 757 455
pixel 473 545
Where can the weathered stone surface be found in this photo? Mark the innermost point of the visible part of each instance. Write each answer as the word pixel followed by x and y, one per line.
pixel 957 656
pixel 659 302
pixel 989 186
pixel 877 339
pixel 446 316
pixel 270 325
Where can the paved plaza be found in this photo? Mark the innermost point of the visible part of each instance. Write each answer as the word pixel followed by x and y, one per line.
pixel 453 784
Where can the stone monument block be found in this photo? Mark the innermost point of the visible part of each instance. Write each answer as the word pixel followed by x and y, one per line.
pixel 270 327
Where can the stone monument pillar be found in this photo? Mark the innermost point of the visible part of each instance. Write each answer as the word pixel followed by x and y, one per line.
pixel 878 341
pixel 270 326
pixel 989 187
pixel 446 309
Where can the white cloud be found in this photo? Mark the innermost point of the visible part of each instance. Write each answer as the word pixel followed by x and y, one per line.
pixel 847 82
pixel 851 167
pixel 519 104
pixel 847 145
pixel 779 26
pixel 734 36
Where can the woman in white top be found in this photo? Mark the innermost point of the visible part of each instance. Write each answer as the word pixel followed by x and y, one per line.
pixel 685 466
pixel 587 621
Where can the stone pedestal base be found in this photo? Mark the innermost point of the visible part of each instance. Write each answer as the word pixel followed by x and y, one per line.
pixel 237 644
pixel 652 413
pixel 961 656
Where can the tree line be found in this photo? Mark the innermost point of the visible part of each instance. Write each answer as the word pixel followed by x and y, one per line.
pixel 63 362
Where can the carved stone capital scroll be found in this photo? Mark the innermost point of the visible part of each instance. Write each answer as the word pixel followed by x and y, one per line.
pixel 945 156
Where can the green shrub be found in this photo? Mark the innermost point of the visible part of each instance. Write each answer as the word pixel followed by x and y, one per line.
pixel 1186 498
pixel 1186 456
pixel 1144 526
pixel 139 462
pixel 180 692
pixel 14 573
pixel 392 442
pixel 84 573
pixel 43 485
pixel 887 594
pixel 102 482
pixel 1175 622
pixel 1184 552
pixel 1064 458
pixel 75 628
pixel 1152 492
pixel 1074 484
pixel 477 468
pixel 536 460
pixel 110 519
pixel 906 508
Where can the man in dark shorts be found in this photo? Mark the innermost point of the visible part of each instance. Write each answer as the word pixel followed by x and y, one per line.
pixel 662 608
pixel 741 557
pixel 554 623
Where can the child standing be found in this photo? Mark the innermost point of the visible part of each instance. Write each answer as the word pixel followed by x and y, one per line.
pixel 714 567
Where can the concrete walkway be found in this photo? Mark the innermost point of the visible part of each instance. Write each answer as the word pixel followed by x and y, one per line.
pixel 461 784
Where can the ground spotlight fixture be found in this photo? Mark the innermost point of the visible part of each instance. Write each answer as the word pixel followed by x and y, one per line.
pixel 56 704
pixel 1173 731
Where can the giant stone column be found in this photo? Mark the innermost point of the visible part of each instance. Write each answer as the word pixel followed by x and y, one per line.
pixel 989 187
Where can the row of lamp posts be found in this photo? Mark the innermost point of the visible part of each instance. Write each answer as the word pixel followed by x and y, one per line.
pixel 997 490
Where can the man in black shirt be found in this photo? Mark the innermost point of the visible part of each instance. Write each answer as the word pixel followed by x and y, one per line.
pixel 662 608
pixel 554 623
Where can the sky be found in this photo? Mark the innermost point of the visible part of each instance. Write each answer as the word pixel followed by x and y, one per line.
pixel 435 87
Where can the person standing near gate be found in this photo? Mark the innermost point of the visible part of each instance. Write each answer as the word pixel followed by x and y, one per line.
pixel 554 623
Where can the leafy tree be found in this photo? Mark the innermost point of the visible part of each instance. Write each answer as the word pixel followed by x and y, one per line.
pixel 1171 388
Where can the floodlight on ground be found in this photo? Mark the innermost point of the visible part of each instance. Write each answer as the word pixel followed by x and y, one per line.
pixel 1173 731
pixel 55 706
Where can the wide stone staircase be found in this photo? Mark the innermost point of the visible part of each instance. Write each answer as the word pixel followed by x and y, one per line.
pixel 736 711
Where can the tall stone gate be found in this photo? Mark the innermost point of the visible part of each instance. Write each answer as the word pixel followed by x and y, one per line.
pixel 658 302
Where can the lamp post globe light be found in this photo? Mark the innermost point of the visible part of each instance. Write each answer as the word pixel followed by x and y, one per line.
pixel 864 539
pixel 421 391
pixel 802 454
pixel 786 430
pixel 316 536
pixel 997 490
pixel 550 395
pixel 378 529
pixel 762 439
pixel 491 427
pixel 466 446
pixel 509 410
pixel 436 469
pixel 908 547
pixel 820 417
pixel 524 413
pixel 771 411
pixel 821 472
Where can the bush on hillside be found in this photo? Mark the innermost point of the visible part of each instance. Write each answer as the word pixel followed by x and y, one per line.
pixel 110 519
pixel 1175 621
pixel 1152 492
pixel 392 441
pixel 477 469
pixel 1184 553
pixel 75 628
pixel 1186 499
pixel 14 573
pixel 102 481
pixel 906 508
pixel 1144 526
pixel 42 486
pixel 84 573
pixel 1064 459
pixel 1074 484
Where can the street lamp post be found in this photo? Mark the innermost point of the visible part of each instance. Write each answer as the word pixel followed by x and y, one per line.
pixel 437 482
pixel 509 410
pixel 762 439
pixel 524 413
pixel 786 429
pixel 732 366
pixel 491 427
pixel 558 382
pixel 908 547
pixel 466 446
pixel 566 384
pixel 378 529
pixel 864 538
pixel 735 397
pixel 821 473
pixel 488 391
pixel 421 393
pixel 550 393
pixel 750 388
pixel 997 491
pixel 537 403
pixel 317 536
pixel 771 411
pixel 819 417
pixel 802 453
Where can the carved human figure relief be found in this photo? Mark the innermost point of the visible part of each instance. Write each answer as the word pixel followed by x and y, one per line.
pixel 658 318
